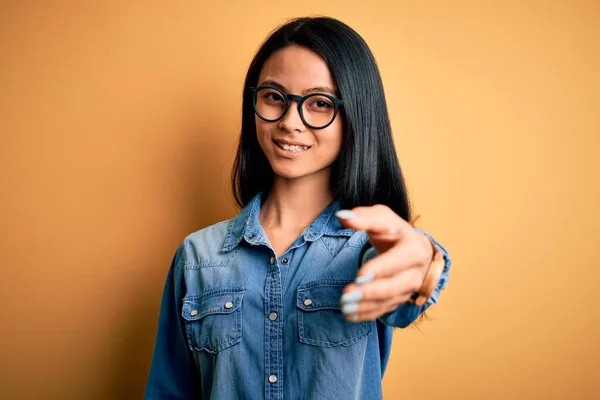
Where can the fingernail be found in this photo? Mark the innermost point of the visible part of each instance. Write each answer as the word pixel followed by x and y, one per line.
pixel 354 317
pixel 350 308
pixel 361 280
pixel 350 297
pixel 346 214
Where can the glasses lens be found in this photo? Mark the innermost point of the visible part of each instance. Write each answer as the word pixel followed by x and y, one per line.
pixel 318 111
pixel 270 104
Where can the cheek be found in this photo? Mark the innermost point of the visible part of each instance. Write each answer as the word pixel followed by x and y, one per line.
pixel 258 125
pixel 332 137
pixel 262 130
pixel 262 127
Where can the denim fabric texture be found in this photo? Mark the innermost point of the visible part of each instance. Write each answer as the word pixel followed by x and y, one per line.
pixel 237 322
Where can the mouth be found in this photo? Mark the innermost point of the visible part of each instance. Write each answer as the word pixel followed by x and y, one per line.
pixel 291 147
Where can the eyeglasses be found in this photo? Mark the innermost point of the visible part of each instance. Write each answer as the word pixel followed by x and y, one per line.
pixel 317 110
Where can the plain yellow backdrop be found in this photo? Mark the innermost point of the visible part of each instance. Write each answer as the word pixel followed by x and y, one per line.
pixel 118 123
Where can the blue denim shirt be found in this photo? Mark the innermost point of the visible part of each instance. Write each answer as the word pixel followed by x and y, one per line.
pixel 238 323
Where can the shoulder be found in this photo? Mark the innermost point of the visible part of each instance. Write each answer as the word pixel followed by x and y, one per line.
pixel 205 244
pixel 211 233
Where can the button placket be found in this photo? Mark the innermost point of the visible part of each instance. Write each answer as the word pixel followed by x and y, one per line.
pixel 274 328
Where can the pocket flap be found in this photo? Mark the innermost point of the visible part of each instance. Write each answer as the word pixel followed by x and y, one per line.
pixel 320 296
pixel 221 302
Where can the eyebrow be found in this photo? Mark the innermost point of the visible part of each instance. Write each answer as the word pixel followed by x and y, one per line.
pixel 317 89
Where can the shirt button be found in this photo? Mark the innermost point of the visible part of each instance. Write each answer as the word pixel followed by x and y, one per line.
pixel 272 260
pixel 251 236
pixel 285 261
pixel 194 313
pixel 307 302
pixel 272 379
pixel 228 305
pixel 273 316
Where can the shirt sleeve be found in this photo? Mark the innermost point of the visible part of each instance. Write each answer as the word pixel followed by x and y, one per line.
pixel 173 374
pixel 407 313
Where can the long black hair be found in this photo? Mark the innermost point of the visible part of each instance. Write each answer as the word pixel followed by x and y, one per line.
pixel 366 171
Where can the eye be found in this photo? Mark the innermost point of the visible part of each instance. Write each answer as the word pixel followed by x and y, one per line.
pixel 274 97
pixel 319 103
pixel 322 104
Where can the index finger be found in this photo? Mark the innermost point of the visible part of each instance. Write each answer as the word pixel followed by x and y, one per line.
pixel 377 219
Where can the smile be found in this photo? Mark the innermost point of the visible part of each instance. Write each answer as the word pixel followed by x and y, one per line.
pixel 294 148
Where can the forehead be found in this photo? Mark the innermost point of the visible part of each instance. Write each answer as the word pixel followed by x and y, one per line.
pixel 296 68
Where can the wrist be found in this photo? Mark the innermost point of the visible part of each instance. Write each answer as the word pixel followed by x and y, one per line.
pixel 432 276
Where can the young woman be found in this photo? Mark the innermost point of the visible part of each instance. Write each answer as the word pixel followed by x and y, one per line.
pixel 297 296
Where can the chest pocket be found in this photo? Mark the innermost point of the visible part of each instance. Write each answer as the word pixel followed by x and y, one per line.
pixel 213 321
pixel 320 320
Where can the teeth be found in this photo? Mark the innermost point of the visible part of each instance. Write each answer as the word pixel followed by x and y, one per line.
pixel 294 148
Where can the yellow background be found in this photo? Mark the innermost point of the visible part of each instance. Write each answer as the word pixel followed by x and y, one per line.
pixel 118 123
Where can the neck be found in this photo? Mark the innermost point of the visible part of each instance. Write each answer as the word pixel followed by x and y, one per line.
pixel 293 204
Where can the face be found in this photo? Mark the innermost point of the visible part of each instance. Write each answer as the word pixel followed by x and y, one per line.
pixel 294 150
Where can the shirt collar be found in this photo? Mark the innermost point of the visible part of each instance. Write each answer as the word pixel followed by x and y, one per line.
pixel 247 226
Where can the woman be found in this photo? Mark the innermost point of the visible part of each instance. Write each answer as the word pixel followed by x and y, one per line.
pixel 289 300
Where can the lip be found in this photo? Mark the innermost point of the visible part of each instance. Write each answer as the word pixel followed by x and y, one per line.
pixel 287 153
pixel 291 143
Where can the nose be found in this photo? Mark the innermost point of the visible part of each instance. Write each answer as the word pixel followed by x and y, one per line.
pixel 291 121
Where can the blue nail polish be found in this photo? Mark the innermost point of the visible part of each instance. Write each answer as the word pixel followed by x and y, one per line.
pixel 345 214
pixel 361 280
pixel 350 308
pixel 351 297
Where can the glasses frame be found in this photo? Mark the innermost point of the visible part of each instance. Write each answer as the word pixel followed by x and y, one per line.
pixel 300 99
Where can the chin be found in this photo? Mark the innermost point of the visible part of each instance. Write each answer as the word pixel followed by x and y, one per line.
pixel 295 171
pixel 289 173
